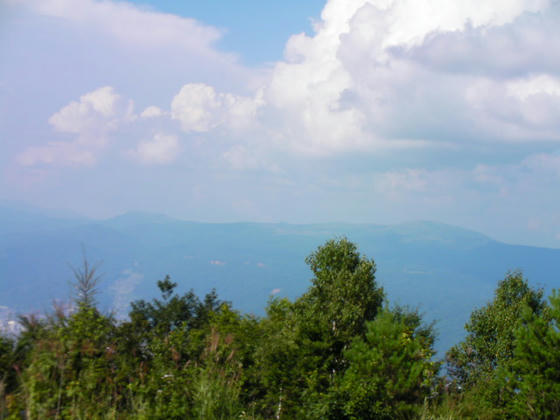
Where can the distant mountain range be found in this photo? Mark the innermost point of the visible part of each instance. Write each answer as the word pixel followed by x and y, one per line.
pixel 443 270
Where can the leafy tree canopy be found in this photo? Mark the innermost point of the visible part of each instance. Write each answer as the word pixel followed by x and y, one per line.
pixel 491 331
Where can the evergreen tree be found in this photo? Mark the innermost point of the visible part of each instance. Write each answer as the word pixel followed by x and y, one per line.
pixel 535 371
pixel 390 370
pixel 86 281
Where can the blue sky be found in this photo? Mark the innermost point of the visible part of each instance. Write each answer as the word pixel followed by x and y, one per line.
pixel 256 30
pixel 380 111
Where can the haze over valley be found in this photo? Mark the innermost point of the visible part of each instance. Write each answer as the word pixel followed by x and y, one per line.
pixel 443 270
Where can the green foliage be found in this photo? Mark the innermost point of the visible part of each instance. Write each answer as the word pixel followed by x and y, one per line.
pixel 85 283
pixel 343 294
pixel 218 384
pixel 8 382
pixel 172 311
pixel 7 361
pixel 334 353
pixel 279 368
pixel 485 364
pixel 342 298
pixel 71 368
pixel 167 337
pixel 303 352
pixel 390 370
pixel 490 341
pixel 534 373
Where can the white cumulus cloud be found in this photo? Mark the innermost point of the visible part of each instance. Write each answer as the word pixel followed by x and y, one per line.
pixel 199 108
pixel 98 111
pixel 152 112
pixel 90 119
pixel 383 74
pixel 162 149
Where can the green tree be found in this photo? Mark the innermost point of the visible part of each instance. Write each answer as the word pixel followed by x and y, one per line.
pixel 491 331
pixel 308 338
pixel 279 368
pixel 173 310
pixel 72 368
pixel 163 344
pixel 390 370
pixel 343 296
pixel 534 373
pixel 86 281
pixel 482 363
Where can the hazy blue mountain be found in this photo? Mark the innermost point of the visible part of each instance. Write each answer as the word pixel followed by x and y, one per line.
pixel 444 270
pixel 22 218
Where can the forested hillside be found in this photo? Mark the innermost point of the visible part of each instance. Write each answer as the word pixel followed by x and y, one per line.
pixel 337 351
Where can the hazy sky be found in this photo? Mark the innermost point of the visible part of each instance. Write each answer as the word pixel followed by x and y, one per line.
pixel 377 111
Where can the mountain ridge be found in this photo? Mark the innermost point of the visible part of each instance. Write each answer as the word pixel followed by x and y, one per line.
pixel 444 270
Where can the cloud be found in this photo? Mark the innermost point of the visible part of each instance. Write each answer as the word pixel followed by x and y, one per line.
pixel 199 108
pixel 91 119
pixel 513 49
pixel 57 152
pixel 77 43
pixel 162 149
pixel 394 74
pixel 377 75
pixel 380 74
pixel 129 24
pixel 520 109
pixel 524 89
pixel 152 112
pixel 98 111
pixel 402 95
